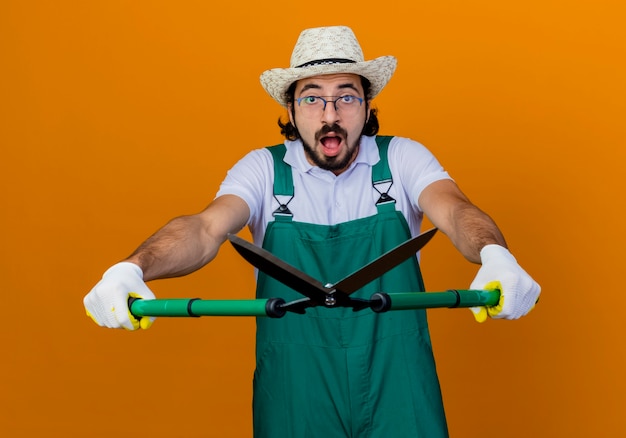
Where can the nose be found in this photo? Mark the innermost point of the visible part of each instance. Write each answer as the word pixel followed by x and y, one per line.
pixel 330 114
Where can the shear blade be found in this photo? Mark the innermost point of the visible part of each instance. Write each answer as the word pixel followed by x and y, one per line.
pixel 384 263
pixel 271 265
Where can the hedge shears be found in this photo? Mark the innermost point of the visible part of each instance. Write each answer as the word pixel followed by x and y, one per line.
pixel 314 292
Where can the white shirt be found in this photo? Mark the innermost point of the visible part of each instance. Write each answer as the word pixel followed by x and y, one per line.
pixel 323 198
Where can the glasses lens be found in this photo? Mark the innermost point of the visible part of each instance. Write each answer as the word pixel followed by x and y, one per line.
pixel 348 104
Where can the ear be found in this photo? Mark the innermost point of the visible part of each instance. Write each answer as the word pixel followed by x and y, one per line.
pixel 290 113
pixel 368 111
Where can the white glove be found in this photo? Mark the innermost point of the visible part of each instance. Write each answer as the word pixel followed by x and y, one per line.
pixel 518 291
pixel 107 302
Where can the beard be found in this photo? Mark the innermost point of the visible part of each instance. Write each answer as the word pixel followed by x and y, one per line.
pixel 336 163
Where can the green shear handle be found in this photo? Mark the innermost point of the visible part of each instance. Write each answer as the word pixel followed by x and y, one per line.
pixel 273 307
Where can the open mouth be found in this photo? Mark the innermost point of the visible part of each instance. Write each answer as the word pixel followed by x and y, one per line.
pixel 331 145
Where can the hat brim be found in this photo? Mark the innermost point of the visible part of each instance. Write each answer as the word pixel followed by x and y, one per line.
pixel 378 71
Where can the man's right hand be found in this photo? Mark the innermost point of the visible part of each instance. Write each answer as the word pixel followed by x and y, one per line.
pixel 107 302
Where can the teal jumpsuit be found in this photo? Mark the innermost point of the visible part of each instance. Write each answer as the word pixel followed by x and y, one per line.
pixel 334 372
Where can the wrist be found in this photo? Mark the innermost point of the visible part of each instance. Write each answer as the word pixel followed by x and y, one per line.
pixel 493 252
pixel 124 268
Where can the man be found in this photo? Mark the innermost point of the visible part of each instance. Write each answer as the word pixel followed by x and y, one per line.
pixel 332 198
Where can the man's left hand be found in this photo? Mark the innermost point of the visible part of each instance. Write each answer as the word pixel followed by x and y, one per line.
pixel 518 291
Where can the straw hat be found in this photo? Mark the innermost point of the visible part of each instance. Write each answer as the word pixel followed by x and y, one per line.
pixel 323 51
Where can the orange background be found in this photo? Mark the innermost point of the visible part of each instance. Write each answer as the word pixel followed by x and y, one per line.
pixel 116 116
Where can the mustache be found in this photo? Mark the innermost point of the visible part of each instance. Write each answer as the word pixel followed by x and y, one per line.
pixel 326 129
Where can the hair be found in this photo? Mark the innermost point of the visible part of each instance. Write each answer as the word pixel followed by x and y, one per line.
pixel 290 132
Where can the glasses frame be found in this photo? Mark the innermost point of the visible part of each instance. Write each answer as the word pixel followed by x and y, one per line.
pixel 334 101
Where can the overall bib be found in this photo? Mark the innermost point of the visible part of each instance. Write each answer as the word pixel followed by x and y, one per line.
pixel 334 372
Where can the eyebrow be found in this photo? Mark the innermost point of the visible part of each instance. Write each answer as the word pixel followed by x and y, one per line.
pixel 314 86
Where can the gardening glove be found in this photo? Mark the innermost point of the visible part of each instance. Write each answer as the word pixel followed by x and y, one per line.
pixel 107 302
pixel 518 291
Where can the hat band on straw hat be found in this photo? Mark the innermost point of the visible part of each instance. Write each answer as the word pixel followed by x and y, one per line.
pixel 326 62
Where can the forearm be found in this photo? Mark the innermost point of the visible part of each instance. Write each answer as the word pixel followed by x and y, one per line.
pixel 180 247
pixel 187 243
pixel 470 229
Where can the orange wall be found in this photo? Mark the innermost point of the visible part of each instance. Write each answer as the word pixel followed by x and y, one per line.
pixel 117 116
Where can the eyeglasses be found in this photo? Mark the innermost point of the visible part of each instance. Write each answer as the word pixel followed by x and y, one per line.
pixel 313 105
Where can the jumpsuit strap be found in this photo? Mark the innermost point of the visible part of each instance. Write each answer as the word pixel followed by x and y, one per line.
pixel 283 182
pixel 381 175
